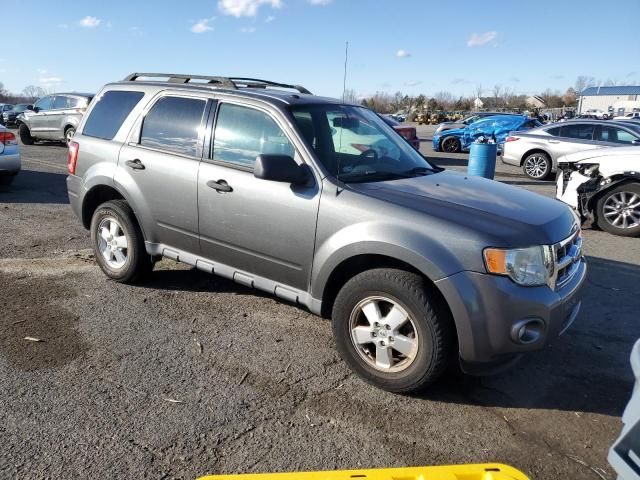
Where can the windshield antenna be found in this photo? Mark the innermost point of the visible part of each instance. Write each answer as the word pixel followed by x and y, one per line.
pixel 344 93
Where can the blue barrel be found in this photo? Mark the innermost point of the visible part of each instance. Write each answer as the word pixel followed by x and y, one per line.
pixel 482 160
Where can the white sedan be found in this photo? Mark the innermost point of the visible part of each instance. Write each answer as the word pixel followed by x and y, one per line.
pixel 9 156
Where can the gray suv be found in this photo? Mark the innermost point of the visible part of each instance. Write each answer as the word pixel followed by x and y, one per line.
pixel 54 117
pixel 323 204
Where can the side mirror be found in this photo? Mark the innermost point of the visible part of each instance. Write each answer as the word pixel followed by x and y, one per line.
pixel 35 109
pixel 280 168
pixel 635 142
pixel 29 107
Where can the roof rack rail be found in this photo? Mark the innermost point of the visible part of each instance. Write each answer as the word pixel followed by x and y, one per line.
pixel 227 82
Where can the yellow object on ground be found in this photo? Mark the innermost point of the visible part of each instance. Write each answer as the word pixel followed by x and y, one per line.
pixel 489 471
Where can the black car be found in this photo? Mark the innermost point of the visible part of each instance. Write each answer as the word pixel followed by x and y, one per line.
pixel 9 116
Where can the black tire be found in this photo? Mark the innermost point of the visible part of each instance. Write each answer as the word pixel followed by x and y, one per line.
pixel 607 203
pixel 434 331
pixel 138 263
pixel 25 135
pixel 537 166
pixel 68 134
pixel 450 145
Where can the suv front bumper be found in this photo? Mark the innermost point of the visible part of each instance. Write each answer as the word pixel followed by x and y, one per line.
pixel 487 310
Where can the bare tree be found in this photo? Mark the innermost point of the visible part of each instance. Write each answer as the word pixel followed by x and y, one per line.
pixel 569 98
pixel 479 91
pixel 350 96
pixel 507 97
pixel 497 90
pixel 33 92
pixel 583 82
pixel 444 99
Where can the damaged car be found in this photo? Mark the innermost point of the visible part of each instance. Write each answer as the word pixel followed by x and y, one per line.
pixel 498 126
pixel 603 186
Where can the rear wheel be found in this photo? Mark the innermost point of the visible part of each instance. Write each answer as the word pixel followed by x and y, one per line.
pixel 118 243
pixel 537 166
pixel 618 210
pixel 388 329
pixel 450 145
pixel 25 135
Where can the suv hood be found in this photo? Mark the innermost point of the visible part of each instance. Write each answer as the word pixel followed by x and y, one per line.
pixel 506 215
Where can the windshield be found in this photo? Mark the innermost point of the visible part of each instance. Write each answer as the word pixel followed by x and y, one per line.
pixel 355 144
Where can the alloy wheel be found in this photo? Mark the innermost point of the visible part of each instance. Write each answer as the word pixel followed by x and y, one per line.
pixel 112 243
pixel 622 210
pixel 384 334
pixel 536 166
pixel 450 145
pixel 69 134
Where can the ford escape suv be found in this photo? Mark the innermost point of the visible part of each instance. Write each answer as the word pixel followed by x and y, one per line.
pixel 323 204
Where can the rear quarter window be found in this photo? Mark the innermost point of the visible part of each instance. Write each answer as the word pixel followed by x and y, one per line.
pixel 112 109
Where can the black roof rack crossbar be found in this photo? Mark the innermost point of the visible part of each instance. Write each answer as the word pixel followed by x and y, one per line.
pixel 227 82
pixel 258 83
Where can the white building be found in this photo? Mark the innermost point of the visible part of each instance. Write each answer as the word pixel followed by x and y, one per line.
pixel 613 100
pixel 535 102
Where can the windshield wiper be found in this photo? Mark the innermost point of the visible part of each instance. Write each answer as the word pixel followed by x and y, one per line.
pixel 373 176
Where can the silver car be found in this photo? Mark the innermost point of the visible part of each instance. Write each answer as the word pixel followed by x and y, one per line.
pixel 54 117
pixel 537 150
pixel 9 156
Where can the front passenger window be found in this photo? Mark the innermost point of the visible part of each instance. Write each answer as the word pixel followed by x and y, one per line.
pixel 243 133
pixel 44 103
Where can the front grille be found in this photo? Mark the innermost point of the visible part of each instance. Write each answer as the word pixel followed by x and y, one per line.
pixel 567 255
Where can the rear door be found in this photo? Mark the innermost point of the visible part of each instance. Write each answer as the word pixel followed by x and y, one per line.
pixel 573 137
pixel 159 167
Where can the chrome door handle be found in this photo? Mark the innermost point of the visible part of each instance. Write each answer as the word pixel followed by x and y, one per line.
pixel 220 185
pixel 135 164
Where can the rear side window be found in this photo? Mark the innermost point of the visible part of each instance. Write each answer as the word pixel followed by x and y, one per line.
pixel 580 131
pixel 172 124
pixel 112 109
pixel 244 133
pixel 554 131
pixel 60 102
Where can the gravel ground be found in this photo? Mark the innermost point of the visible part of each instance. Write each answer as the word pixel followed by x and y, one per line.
pixel 190 374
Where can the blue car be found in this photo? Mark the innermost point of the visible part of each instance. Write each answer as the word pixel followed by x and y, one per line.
pixel 460 139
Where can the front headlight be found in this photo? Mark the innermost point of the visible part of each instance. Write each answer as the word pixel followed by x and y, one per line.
pixel 529 267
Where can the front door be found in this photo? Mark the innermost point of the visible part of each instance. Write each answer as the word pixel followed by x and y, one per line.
pixel 260 227
pixel 159 169
pixel 38 117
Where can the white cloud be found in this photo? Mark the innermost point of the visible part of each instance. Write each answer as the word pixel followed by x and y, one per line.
pixel 248 29
pixel 90 22
pixel 402 54
pixel 201 26
pixel 320 2
pixel 245 8
pixel 50 80
pixel 412 83
pixel 480 39
pixel 269 19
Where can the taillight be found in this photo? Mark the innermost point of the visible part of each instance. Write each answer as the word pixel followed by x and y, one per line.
pixel 8 138
pixel 72 158
pixel 512 139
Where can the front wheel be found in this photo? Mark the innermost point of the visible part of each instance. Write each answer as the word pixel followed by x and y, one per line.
pixel 450 145
pixel 390 331
pixel 618 210
pixel 25 135
pixel 537 166
pixel 118 243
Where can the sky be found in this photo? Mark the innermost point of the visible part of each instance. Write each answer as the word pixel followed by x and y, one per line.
pixel 413 46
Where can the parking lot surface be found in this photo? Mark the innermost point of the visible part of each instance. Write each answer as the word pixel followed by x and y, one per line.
pixel 189 374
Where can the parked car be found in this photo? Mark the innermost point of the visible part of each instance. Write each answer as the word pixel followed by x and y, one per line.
pixel 4 107
pixel 604 187
pixel 537 151
pixel 54 117
pixel 500 126
pixel 10 117
pixel 408 133
pixel 596 113
pixel 243 178
pixel 9 156
pixel 468 120
pixel 628 116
